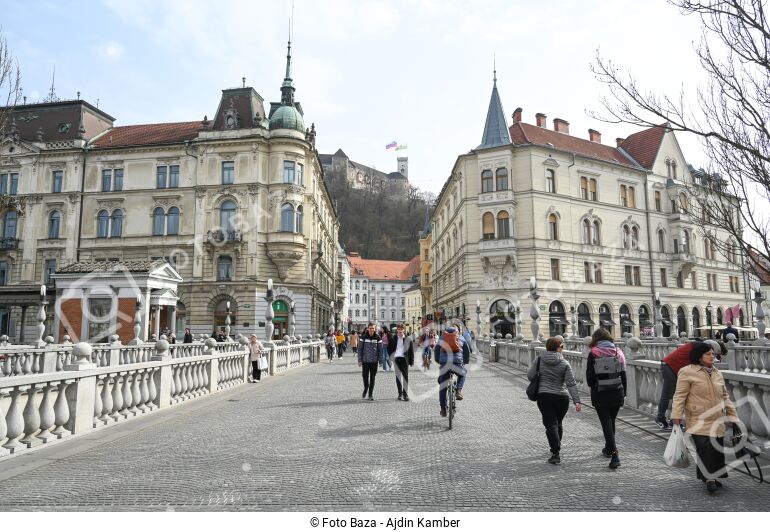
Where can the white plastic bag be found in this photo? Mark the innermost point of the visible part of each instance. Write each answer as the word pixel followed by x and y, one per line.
pixel 262 363
pixel 676 454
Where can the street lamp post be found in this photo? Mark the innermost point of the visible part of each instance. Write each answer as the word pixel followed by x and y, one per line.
pixel 478 319
pixel 292 320
pixel 709 308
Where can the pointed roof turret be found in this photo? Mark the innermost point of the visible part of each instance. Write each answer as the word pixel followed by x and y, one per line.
pixel 496 127
pixel 287 114
pixel 287 88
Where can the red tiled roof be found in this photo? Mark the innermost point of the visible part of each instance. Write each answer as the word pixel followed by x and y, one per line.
pixel 523 133
pixel 760 265
pixel 644 146
pixel 382 270
pixel 148 134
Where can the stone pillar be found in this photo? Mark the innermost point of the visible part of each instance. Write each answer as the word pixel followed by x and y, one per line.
pixel 163 384
pixel 23 321
pixel 213 366
pixel 156 328
pixel 114 355
pixel 172 319
pixel 633 345
pixel 81 394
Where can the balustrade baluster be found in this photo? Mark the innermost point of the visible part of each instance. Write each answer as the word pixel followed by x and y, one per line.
pixel 125 411
pixel 61 410
pixel 31 416
pixel 117 399
pixel 98 402
pixel 14 422
pixel 7 365
pixel 36 362
pixel 144 392
pixel 205 374
pixel 59 362
pixel 106 401
pixel 177 382
pixel 152 391
pixel 17 364
pixel 183 379
pixel 26 365
pixel 136 394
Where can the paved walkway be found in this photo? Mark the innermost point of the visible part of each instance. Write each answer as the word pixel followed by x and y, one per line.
pixel 306 441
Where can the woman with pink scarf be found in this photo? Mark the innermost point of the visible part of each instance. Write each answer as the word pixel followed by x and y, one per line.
pixel 606 375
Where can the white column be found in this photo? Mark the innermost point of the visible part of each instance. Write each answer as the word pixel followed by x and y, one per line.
pixel 157 323
pixel 172 318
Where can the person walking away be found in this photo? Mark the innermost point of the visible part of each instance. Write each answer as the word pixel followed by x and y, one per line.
pixel 188 337
pixel 606 376
pixel 449 353
pixel 369 349
pixel 255 353
pixel 401 348
pixel 340 338
pixel 331 346
pixel 354 341
pixel 701 397
pixel 552 399
pixel 385 336
pixel 669 369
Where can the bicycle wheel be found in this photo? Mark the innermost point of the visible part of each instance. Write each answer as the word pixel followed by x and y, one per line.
pixel 451 399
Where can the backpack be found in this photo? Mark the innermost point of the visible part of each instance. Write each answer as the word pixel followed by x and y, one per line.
pixel 451 343
pixel 607 370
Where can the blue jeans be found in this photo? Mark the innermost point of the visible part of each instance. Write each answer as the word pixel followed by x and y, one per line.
pixel 385 359
pixel 444 371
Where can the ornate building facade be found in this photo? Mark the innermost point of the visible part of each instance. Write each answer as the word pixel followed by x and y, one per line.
pixel 229 202
pixel 605 231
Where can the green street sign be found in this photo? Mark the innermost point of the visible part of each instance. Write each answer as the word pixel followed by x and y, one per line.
pixel 246 306
pixel 542 307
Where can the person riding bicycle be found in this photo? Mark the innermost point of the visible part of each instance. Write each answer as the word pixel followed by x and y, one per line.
pixel 450 352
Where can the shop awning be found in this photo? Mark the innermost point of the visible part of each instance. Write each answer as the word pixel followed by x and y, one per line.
pixel 667 322
pixel 583 320
pixel 645 322
pixel 558 320
pixel 627 321
pixel 606 322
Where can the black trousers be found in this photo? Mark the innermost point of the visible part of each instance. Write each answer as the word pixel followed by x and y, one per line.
pixel 607 415
pixel 255 371
pixel 553 407
pixel 711 460
pixel 369 372
pixel 402 374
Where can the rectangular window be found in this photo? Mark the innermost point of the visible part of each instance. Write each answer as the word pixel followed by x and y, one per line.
pixel 658 205
pixel 402 301
pixel 584 188
pixel 629 276
pixel 663 278
pixel 117 183
pixel 106 180
pixel 597 272
pixel 99 311
pixel 623 196
pixel 57 176
pixel 301 174
pixel 694 280
pixel 679 280
pixel 382 301
pixel 228 172
pixel 3 273
pixel 358 313
pixel 50 268
pixel 14 184
pixel 555 273
pixel 592 189
pixel 3 183
pixel 631 197
pixel 173 176
pixel 364 312
pixel 637 276
pixel 587 272
pixel 161 176
pixel 288 171
pixel 393 301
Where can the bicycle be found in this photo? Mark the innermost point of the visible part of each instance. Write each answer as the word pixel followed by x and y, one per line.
pixel 451 390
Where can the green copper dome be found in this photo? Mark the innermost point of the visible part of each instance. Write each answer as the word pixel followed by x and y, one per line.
pixel 287 117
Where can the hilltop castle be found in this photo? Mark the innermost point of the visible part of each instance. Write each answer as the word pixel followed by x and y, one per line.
pixel 357 175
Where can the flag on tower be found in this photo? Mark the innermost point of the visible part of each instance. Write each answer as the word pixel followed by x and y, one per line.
pixel 402 147
pixel 391 145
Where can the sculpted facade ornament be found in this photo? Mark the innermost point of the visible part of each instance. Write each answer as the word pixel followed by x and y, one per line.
pixel 277 199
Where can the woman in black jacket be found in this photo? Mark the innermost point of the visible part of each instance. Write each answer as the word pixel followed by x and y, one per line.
pixel 606 375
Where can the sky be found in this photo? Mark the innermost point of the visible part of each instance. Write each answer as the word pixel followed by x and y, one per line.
pixel 367 72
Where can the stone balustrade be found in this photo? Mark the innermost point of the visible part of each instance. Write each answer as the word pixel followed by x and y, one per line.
pixel 65 391
pixel 745 369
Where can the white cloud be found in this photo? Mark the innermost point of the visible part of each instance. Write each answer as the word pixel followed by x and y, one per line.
pixel 110 50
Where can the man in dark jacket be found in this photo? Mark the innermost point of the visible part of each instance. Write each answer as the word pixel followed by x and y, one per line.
pixel 450 361
pixel 729 329
pixel 369 348
pixel 401 351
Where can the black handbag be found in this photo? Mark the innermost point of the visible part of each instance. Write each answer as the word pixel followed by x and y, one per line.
pixel 534 384
pixel 746 451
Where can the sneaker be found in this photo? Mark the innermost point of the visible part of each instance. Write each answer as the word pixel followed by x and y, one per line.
pixel 400 397
pixel 719 484
pixel 370 398
pixel 663 424
pixel 406 397
pixel 459 395
pixel 615 461
pixel 606 453
pixel 554 459
pixel 443 411
pixel 711 486
pixel 363 395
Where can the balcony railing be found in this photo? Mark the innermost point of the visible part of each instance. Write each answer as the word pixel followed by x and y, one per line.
pixel 9 243
pixel 223 236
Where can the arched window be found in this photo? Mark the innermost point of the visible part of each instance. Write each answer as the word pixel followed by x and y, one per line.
pixel 363 299
pixel 596 235
pixel 287 217
pixel 585 230
pixel 357 285
pixel 661 241
pixel 116 224
pixel 220 313
pixel 488 226
pixel 227 219
pixel 501 182
pixel 224 268
pixel 358 298
pixel 487 184
pixel 503 227
pixel 9 224
pixel 658 202
pixel 666 319
pixel 681 320
pixel 695 320
pixel 550 181
pixel 54 220
pixel 626 237
pixel 626 322
pixel 685 241
pixel 719 315
pixel 553 227
pixel 605 317
pixel 585 323
pixel 172 221
pixel 635 238
pixel 158 221
pixel 557 318
pixel 299 219
pixel 103 224
pixel 645 323
pixel 502 314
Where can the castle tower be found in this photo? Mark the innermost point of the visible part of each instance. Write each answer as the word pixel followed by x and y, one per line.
pixel 403 166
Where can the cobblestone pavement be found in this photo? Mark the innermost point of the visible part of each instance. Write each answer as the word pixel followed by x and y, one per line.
pixel 306 441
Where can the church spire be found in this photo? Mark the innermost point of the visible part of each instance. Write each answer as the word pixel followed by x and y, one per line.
pixel 496 127
pixel 287 88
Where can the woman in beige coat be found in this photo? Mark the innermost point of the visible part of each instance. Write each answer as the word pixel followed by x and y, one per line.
pixel 701 397
pixel 255 353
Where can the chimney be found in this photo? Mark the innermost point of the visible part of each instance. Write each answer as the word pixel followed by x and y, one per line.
pixel 517 115
pixel 619 141
pixel 540 117
pixel 562 126
pixel 594 136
